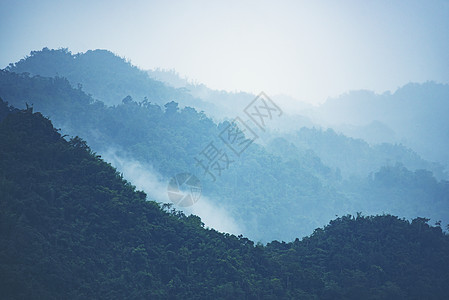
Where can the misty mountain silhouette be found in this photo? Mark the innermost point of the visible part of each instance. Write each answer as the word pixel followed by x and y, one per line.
pixel 72 227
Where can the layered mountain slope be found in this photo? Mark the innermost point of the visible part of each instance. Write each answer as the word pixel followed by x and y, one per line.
pixel 415 114
pixel 292 189
pixel 107 77
pixel 72 228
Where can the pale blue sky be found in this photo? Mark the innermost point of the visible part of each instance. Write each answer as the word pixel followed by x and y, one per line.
pixel 306 49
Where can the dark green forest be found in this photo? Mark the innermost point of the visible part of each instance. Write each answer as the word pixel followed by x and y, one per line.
pixel 71 227
pixel 298 181
pixel 322 212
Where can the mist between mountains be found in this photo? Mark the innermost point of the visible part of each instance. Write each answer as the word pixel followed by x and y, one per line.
pixel 184 189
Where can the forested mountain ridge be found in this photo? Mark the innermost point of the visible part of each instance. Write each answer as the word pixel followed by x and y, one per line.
pixel 353 156
pixel 296 192
pixel 104 75
pixel 72 228
pixel 169 138
pixel 226 103
pixel 415 114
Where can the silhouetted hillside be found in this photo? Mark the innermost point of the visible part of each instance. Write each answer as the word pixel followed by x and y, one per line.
pixel 72 228
pixel 107 77
pixel 279 195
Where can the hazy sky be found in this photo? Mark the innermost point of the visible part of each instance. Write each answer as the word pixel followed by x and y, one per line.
pixel 307 49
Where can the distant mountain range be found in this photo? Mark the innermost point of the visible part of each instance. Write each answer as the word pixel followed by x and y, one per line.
pixel 414 115
pixel 297 179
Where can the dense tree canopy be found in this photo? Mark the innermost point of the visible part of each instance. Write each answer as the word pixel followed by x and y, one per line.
pixel 107 77
pixel 73 228
pixel 279 191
